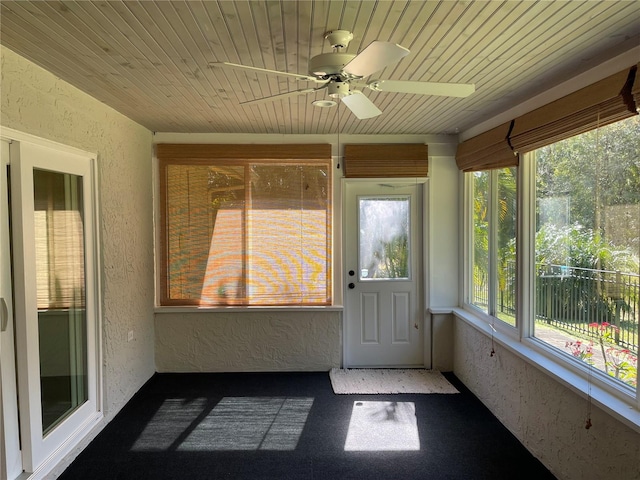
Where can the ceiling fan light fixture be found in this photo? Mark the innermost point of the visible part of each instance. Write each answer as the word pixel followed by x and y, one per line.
pixel 323 103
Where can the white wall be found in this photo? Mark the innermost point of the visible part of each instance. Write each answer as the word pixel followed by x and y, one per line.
pixel 254 340
pixel 35 102
pixel 443 224
pixel 548 418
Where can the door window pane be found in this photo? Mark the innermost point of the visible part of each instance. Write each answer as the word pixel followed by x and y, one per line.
pixel 60 280
pixel 383 238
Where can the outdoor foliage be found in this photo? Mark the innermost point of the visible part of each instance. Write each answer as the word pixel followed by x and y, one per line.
pixel 597 170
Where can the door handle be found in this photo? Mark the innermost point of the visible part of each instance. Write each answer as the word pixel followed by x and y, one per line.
pixel 352 286
pixel 4 315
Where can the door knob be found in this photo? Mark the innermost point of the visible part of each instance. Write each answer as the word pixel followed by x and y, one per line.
pixel 352 286
pixel 4 315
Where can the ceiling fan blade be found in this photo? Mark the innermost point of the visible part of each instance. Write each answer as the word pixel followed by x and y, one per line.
pixel 423 88
pixel 280 96
pixel 374 58
pixel 266 71
pixel 360 105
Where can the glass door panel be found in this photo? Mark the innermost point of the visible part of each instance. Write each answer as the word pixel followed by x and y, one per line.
pixel 383 238
pixel 60 285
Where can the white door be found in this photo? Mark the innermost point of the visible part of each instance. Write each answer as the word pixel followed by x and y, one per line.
pixel 10 455
pixel 55 293
pixel 383 274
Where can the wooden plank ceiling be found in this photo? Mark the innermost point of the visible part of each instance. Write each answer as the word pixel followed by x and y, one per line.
pixel 152 60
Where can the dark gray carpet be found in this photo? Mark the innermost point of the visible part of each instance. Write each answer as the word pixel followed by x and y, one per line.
pixel 292 426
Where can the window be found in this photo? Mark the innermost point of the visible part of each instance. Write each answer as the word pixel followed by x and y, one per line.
pixel 576 288
pixel 493 242
pixel 383 237
pixel 583 255
pixel 587 247
pixel 240 231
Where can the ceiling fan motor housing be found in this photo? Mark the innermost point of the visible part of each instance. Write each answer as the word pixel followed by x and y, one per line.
pixel 327 65
pixel 338 89
pixel 339 38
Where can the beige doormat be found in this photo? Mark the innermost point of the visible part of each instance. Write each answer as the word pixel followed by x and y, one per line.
pixel 388 380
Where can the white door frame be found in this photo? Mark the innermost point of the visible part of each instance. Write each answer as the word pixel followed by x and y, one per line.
pixel 10 454
pixel 42 453
pixel 423 276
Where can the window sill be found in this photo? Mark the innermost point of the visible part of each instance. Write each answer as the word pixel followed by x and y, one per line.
pixel 245 309
pixel 618 407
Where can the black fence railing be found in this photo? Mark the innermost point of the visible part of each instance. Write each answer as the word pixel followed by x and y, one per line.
pixel 574 298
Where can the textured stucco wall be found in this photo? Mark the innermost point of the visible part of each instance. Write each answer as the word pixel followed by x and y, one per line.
pixel 547 418
pixel 34 101
pixel 248 341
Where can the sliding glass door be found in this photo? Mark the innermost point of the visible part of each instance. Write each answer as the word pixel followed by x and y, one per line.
pixel 55 286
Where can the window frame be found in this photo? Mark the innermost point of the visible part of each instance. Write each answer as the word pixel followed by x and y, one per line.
pixel 617 399
pixel 468 258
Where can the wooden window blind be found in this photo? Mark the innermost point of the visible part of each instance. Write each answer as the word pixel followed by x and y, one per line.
pixel 245 224
pixel 609 100
pixel 599 104
pixel 635 89
pixel 489 150
pixel 59 240
pixel 386 160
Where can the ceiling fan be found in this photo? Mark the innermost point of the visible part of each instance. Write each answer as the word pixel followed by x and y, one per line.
pixel 341 74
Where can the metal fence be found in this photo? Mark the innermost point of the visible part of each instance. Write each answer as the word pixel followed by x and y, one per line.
pixel 573 298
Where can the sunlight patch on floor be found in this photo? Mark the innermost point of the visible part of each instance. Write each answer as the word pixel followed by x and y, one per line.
pixel 251 423
pixel 235 423
pixel 383 426
pixel 174 417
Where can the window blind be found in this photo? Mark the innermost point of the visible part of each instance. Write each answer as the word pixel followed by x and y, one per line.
pixel 386 160
pixel 59 240
pixel 245 231
pixel 609 100
pixel 489 150
pixel 635 88
pixel 599 104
